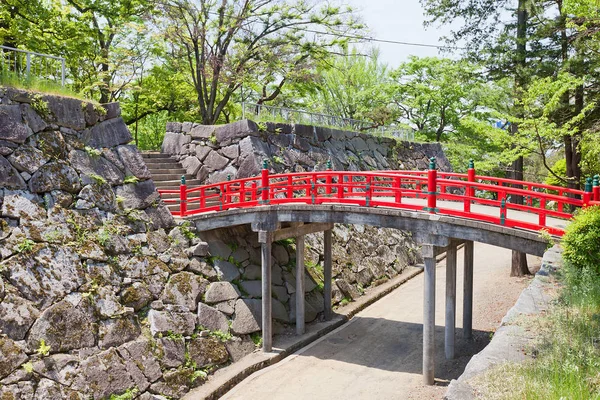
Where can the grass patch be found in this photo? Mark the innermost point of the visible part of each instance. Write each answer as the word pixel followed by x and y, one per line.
pixel 565 361
pixel 32 84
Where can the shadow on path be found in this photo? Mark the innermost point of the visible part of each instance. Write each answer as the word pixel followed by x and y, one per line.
pixel 395 346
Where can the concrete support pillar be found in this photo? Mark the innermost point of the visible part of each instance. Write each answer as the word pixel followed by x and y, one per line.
pixel 327 274
pixel 266 238
pixel 450 326
pixel 468 292
pixel 429 315
pixel 300 285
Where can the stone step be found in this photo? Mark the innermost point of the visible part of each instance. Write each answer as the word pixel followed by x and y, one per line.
pixel 178 171
pixel 168 177
pixel 176 183
pixel 155 156
pixel 162 165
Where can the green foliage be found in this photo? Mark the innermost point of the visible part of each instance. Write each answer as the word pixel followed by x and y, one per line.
pixel 581 241
pixel 98 179
pixel 185 229
pixel 129 394
pixel 40 105
pixel 25 246
pixel 131 179
pixel 92 152
pixel 345 301
pixel 256 338
pixel 28 367
pixel 43 349
pixel 222 336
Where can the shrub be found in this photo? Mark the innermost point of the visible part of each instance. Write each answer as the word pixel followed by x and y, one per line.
pixel 581 241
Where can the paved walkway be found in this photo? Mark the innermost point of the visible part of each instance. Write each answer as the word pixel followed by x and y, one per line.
pixel 378 354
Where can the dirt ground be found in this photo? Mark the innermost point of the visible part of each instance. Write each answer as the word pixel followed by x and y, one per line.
pixel 487 315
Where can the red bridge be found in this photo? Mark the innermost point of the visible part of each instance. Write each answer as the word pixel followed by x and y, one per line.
pixel 394 189
pixel 442 210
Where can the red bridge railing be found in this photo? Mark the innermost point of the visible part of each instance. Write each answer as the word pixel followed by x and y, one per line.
pixel 395 189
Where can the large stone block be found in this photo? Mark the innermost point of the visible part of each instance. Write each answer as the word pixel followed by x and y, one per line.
pixel 92 165
pixel 212 319
pixel 45 274
pixel 174 142
pixel 56 175
pixel 228 133
pixel 16 316
pixel 172 350
pixel 184 288
pixel 138 195
pixel 12 127
pixel 106 373
pixel 65 326
pixel 27 158
pixel 66 111
pixel 10 177
pixel 226 270
pixel 110 133
pixel 11 356
pixel 214 161
pixel 203 131
pixel 206 352
pixel 165 321
pixel 22 204
pixel 33 120
pixel 247 317
pixel 221 291
pixel 134 164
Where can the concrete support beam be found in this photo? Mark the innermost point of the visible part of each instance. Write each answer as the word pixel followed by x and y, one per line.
pixel 450 326
pixel 266 239
pixel 300 285
pixel 300 230
pixel 429 315
pixel 468 292
pixel 327 236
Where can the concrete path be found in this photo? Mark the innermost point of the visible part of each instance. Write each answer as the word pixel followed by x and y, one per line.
pixel 378 354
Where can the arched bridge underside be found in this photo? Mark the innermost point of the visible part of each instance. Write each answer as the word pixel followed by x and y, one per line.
pixel 434 232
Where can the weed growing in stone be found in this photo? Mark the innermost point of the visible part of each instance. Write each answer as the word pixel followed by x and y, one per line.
pixel 43 349
pixel 40 105
pixel 131 179
pixel 256 338
pixel 186 231
pixel 98 179
pixel 25 246
pixel 28 367
pixel 129 394
pixel 222 336
pixel 92 152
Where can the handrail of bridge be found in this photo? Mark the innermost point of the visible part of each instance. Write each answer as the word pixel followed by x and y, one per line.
pixel 389 189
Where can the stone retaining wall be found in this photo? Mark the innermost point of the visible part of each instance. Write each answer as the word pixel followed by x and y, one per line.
pixel 211 153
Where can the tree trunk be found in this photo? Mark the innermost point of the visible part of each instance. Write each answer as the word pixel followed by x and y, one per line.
pixel 519 259
pixel 519 264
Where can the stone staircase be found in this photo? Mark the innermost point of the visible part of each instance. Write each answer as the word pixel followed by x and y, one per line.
pixel 166 174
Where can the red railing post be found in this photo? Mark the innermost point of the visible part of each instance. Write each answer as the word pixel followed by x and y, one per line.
pixel 242 198
pixel 182 197
pixel 398 191
pixel 253 191
pixel 431 187
pixel 587 194
pixel 202 198
pixel 328 178
pixel 290 188
pixel 596 188
pixel 542 218
pixel 470 191
pixel 369 190
pixel 264 189
pixel 340 186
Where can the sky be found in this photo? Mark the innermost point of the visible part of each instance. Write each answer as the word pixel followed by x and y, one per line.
pixel 399 20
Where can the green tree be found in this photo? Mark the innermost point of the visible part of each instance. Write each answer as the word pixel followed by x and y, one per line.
pixel 226 43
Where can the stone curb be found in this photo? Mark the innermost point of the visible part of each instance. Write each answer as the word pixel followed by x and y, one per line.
pixel 225 379
pixel 509 340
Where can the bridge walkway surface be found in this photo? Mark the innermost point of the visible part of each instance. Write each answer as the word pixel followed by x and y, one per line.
pixel 378 354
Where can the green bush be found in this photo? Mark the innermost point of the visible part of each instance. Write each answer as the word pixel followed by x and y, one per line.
pixel 581 242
